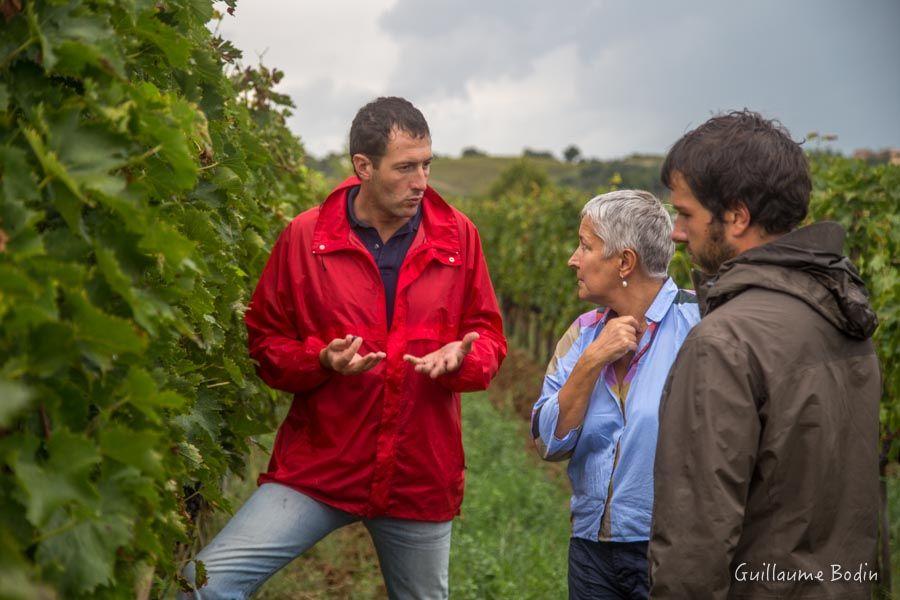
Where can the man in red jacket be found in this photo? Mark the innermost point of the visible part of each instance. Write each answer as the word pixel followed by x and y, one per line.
pixel 375 310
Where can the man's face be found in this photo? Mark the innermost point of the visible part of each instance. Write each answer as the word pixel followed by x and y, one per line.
pixel 698 228
pixel 398 183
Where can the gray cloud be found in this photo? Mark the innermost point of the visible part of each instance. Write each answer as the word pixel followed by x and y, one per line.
pixel 818 65
pixel 826 66
pixel 447 44
pixel 324 112
pixel 612 76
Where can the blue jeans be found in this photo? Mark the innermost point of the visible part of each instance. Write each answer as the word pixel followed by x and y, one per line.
pixel 608 570
pixel 278 523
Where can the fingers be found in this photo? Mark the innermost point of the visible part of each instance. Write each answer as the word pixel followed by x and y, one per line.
pixel 439 367
pixel 431 366
pixel 627 320
pixel 424 364
pixel 450 364
pixel 619 337
pixel 627 339
pixel 413 359
pixel 360 364
pixel 331 352
pixel 354 346
pixel 341 359
pixel 468 340
pixel 338 344
pixel 343 356
pixel 445 360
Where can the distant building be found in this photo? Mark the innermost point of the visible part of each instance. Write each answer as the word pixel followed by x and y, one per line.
pixel 887 155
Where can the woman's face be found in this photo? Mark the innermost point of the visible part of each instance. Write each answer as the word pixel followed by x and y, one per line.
pixel 597 276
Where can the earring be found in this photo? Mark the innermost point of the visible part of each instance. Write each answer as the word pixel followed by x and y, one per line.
pixel 624 283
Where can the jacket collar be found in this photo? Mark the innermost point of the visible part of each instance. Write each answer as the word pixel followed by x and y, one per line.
pixel 439 228
pixel 807 263
pixel 821 241
pixel 703 282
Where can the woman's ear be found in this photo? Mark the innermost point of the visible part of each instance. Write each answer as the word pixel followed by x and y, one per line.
pixel 627 263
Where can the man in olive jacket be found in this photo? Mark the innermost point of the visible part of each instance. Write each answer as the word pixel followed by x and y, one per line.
pixel 766 473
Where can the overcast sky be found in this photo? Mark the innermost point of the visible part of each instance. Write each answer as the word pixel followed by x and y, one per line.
pixel 613 77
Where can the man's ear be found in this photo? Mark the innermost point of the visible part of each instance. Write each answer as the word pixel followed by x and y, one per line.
pixel 737 219
pixel 363 166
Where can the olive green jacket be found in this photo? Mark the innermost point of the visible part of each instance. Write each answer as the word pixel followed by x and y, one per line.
pixel 766 467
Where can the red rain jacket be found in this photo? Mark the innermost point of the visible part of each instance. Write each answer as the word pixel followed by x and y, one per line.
pixel 386 442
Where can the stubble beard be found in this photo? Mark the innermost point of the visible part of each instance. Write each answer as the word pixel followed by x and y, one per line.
pixel 715 250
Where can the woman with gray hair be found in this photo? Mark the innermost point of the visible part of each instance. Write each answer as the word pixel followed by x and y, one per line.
pixel 600 399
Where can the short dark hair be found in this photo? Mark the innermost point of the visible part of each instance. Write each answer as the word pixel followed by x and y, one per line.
pixel 374 122
pixel 742 157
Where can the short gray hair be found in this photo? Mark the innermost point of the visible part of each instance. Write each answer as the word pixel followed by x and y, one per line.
pixel 633 219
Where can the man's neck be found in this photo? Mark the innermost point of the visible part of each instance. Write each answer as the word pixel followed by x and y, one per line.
pixel 753 238
pixel 384 223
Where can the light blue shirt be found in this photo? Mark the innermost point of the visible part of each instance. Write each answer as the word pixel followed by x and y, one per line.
pixel 591 448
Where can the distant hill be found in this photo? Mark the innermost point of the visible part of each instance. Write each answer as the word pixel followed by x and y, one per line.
pixel 472 176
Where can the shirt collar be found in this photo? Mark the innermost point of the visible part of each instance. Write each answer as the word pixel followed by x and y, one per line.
pixel 664 298
pixel 410 226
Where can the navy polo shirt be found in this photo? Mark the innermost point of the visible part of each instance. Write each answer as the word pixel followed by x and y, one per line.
pixel 388 255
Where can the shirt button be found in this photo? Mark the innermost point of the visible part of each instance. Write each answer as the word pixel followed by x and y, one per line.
pixel 452 259
pixel 377 246
pixel 321 246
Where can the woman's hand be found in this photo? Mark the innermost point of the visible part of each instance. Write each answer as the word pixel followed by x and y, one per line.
pixel 618 337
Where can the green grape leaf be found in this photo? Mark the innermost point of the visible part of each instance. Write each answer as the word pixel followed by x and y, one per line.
pixel 140 389
pixel 88 151
pixel 62 479
pixel 101 336
pixel 16 397
pixel 84 555
pixel 130 447
pixel 234 371
pixel 166 241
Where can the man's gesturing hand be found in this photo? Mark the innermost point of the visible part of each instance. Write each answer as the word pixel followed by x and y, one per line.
pixel 341 356
pixel 444 360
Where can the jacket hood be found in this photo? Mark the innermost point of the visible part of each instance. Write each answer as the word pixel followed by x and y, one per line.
pixel 807 263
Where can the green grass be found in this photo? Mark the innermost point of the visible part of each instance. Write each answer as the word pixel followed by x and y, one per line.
pixel 510 541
